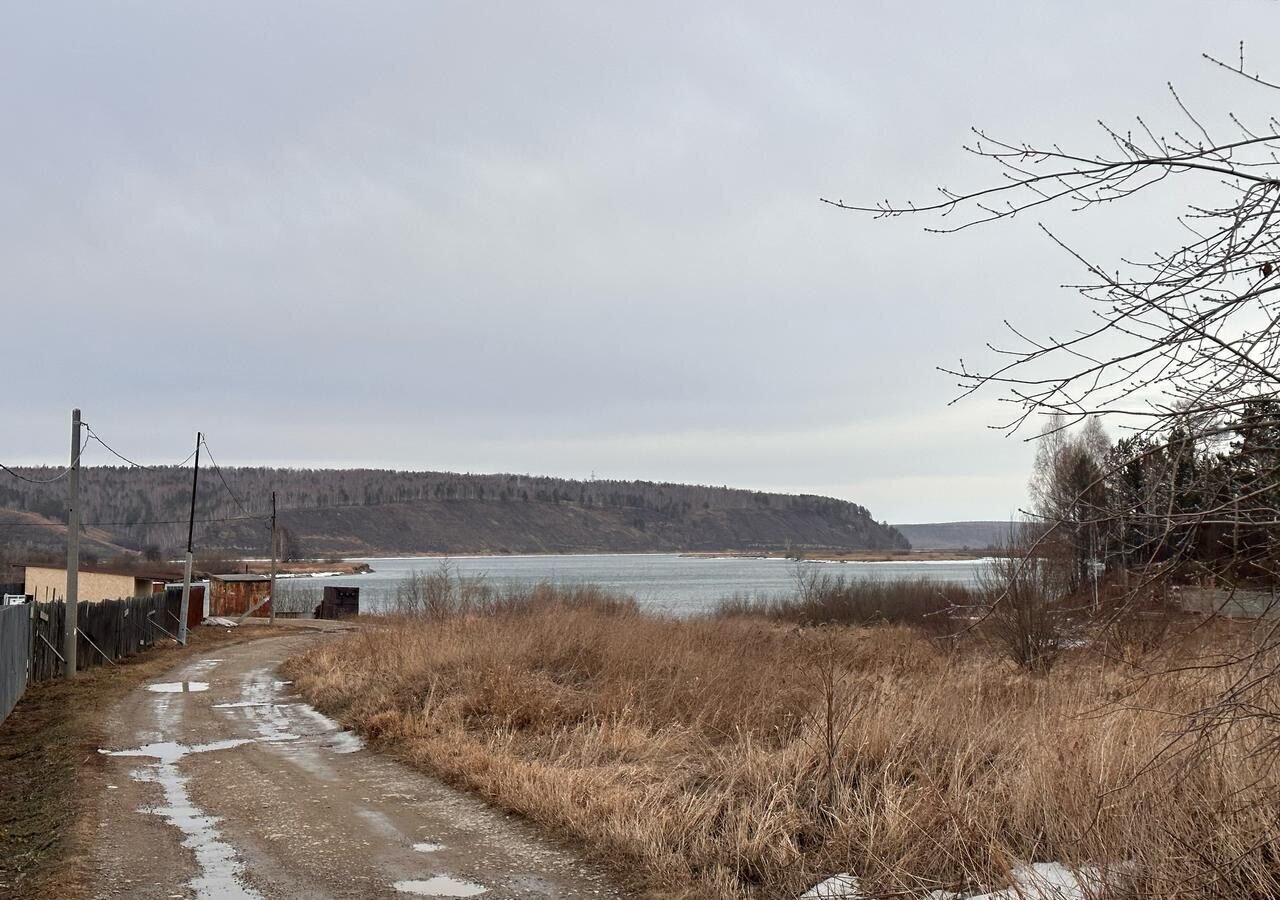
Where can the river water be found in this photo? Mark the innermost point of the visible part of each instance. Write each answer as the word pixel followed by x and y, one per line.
pixel 660 582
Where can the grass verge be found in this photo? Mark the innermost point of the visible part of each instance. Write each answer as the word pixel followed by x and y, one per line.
pixel 51 784
pixel 732 757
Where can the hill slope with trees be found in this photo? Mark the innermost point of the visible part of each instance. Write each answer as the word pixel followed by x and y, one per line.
pixel 356 512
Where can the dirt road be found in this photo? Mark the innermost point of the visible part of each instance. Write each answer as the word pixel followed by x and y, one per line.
pixel 223 785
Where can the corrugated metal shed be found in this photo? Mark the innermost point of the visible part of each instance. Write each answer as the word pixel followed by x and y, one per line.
pixel 234 595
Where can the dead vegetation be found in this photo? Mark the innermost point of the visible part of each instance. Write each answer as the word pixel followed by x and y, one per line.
pixel 824 599
pixel 735 757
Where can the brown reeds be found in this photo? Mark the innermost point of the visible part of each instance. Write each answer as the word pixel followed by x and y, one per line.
pixel 733 757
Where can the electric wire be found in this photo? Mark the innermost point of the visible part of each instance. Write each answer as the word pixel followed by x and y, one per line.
pixel 125 523
pixel 61 475
pixel 18 475
pixel 218 470
pixel 114 452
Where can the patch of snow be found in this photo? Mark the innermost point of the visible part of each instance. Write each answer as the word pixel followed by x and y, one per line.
pixel 1048 881
pixel 837 887
pixel 1036 881
pixel 345 742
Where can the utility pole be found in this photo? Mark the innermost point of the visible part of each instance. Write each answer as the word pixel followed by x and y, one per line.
pixel 275 543
pixel 69 629
pixel 191 525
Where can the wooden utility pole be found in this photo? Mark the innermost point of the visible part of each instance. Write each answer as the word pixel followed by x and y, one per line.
pixel 191 525
pixel 73 551
pixel 275 544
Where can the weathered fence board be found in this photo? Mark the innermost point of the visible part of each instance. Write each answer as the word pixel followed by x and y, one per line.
pixel 109 631
pixel 46 646
pixel 15 647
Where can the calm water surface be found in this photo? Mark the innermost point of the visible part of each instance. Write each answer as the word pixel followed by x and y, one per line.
pixel 661 582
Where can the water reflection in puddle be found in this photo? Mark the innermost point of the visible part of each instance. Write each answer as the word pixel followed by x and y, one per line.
pixel 178 687
pixel 169 752
pixel 428 847
pixel 218 868
pixel 440 886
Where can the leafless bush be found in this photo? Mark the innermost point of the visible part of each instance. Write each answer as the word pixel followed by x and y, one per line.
pixel 1021 609
pixel 1135 623
pixel 443 592
pixel 825 599
pixel 295 595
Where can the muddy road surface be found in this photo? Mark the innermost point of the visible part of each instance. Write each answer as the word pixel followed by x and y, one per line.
pixel 223 785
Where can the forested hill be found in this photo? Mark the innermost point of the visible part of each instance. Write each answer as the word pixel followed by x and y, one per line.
pixel 372 512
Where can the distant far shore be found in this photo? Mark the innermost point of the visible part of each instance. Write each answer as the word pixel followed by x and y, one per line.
pixel 854 555
pixel 822 556
pixel 817 555
pixel 357 565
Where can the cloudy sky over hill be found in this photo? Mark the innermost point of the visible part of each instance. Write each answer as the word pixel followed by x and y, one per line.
pixel 558 238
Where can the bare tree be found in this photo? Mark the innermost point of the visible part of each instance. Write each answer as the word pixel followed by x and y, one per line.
pixel 1022 596
pixel 1186 337
pixel 1181 353
pixel 1183 350
pixel 1069 493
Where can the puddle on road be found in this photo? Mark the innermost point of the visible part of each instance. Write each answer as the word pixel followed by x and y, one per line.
pixel 277 720
pixel 218 867
pixel 440 886
pixel 178 687
pixel 428 847
pixel 169 752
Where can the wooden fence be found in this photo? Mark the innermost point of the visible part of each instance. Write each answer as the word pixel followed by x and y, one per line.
pixel 108 631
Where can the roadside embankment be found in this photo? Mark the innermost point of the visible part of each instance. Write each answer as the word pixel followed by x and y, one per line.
pixel 734 757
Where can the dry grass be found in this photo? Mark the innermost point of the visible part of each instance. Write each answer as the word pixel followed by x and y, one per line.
pixel 734 758
pixel 824 599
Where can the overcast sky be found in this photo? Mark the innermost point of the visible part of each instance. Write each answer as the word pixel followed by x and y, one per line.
pixel 560 239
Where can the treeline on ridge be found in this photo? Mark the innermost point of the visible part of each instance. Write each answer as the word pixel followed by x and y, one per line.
pixel 373 510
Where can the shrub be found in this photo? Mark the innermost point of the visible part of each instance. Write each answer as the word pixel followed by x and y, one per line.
pixel 824 599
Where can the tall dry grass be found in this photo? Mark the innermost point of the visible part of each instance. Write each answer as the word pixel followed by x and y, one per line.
pixel 732 757
pixel 824 599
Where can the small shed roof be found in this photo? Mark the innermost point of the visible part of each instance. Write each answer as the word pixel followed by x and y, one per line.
pixel 97 570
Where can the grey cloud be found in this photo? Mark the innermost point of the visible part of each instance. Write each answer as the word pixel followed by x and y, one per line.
pixel 551 238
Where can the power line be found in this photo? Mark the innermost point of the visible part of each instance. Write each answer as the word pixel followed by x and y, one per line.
pixel 124 524
pixel 180 521
pixel 113 451
pixel 61 475
pixel 218 470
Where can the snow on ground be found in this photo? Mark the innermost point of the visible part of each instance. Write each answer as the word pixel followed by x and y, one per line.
pixel 1037 881
pixel 837 887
